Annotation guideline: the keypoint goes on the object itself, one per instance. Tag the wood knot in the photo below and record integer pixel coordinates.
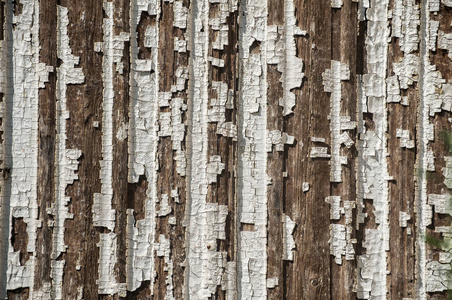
(315, 281)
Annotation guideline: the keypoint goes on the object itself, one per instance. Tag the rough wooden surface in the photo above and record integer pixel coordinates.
(217, 182)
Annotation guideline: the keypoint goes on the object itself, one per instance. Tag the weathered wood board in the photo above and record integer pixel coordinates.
(225, 149)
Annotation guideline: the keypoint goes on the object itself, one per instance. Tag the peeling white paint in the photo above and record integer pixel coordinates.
(289, 242)
(340, 239)
(447, 172)
(206, 221)
(214, 168)
(107, 259)
(319, 152)
(143, 141)
(279, 139)
(229, 280)
(165, 208)
(67, 162)
(332, 84)
(336, 3)
(445, 42)
(372, 169)
(405, 141)
(281, 50)
(20, 81)
(404, 217)
(405, 23)
(180, 14)
(337, 242)
(252, 154)
(163, 249)
(272, 282)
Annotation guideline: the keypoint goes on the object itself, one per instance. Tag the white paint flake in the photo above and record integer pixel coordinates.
(340, 240)
(336, 3)
(289, 242)
(445, 42)
(405, 24)
(433, 27)
(272, 282)
(275, 137)
(281, 50)
(229, 280)
(404, 217)
(180, 14)
(165, 208)
(332, 84)
(405, 141)
(180, 45)
(223, 101)
(214, 168)
(407, 70)
(319, 152)
(447, 172)
(337, 242)
(434, 5)
(393, 90)
(163, 249)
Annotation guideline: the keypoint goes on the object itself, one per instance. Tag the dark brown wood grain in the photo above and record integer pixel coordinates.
(331, 34)
(308, 276)
(84, 103)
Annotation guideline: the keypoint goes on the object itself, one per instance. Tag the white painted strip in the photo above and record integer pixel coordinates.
(143, 142)
(107, 283)
(206, 220)
(293, 65)
(252, 154)
(103, 214)
(372, 146)
(423, 217)
(67, 163)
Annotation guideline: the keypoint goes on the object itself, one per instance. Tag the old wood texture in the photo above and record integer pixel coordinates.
(225, 149)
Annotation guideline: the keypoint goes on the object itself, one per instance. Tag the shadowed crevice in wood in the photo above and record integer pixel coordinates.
(136, 197)
(141, 293)
(19, 294)
(19, 239)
